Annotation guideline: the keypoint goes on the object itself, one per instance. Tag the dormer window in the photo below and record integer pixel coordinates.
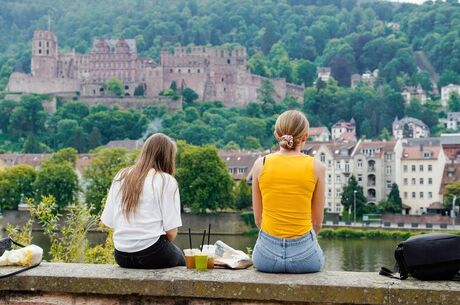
(427, 154)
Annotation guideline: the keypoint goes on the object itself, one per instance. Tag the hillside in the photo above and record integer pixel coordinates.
(282, 37)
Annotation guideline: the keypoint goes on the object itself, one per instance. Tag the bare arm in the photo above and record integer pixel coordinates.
(256, 195)
(317, 202)
(171, 234)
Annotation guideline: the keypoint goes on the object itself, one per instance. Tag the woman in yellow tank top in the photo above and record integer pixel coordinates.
(288, 202)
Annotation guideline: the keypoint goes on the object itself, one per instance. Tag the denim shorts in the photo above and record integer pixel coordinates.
(286, 255)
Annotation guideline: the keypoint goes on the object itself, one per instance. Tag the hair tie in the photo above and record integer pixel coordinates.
(289, 139)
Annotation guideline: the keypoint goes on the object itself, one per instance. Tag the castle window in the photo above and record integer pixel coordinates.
(39, 43)
(229, 61)
(47, 52)
(39, 51)
(225, 89)
(47, 44)
(189, 71)
(126, 87)
(222, 79)
(198, 70)
(179, 71)
(171, 70)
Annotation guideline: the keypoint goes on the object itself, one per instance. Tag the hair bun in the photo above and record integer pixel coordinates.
(289, 141)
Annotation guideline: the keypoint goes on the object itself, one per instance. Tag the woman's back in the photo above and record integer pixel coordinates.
(287, 183)
(158, 210)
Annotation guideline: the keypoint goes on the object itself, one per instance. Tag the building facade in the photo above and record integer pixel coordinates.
(375, 168)
(453, 120)
(446, 91)
(421, 167)
(319, 134)
(344, 130)
(409, 128)
(215, 74)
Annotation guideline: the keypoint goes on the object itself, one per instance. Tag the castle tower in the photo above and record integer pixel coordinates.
(44, 55)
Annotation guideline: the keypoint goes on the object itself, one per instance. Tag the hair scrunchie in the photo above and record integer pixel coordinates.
(289, 139)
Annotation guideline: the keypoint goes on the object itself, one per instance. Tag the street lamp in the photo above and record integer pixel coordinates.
(452, 214)
(354, 206)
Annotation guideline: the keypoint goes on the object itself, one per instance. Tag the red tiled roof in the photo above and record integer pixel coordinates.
(416, 153)
(317, 131)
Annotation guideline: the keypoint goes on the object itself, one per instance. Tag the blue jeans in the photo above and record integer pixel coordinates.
(286, 255)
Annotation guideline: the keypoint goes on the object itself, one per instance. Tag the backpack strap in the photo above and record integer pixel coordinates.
(263, 161)
(18, 271)
(2, 276)
(387, 272)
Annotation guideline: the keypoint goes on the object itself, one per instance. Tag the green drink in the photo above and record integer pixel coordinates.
(201, 261)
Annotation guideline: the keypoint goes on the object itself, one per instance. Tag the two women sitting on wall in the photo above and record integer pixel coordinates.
(143, 205)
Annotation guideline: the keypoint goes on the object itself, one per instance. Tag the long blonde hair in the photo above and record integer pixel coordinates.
(159, 153)
(290, 129)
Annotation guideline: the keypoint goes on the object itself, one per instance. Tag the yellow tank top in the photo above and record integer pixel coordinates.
(287, 184)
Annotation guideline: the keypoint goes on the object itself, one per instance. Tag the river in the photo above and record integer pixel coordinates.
(341, 255)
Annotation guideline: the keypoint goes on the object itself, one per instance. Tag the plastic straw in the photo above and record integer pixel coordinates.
(209, 233)
(190, 237)
(202, 241)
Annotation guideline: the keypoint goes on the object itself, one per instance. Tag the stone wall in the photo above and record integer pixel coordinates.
(56, 284)
(133, 102)
(26, 83)
(229, 223)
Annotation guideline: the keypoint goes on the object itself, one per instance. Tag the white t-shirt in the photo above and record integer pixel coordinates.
(158, 211)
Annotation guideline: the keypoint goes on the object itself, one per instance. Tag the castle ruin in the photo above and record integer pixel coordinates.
(215, 74)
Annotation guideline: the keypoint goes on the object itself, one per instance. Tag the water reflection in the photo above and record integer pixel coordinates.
(341, 255)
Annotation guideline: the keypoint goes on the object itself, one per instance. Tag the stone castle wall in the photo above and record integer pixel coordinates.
(215, 74)
(20, 82)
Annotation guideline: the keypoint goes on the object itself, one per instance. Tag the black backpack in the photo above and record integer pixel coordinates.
(434, 256)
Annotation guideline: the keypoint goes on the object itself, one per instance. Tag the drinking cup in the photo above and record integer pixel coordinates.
(201, 261)
(189, 258)
(210, 250)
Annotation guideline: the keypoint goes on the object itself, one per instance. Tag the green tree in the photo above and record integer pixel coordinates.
(6, 109)
(98, 175)
(64, 155)
(454, 102)
(59, 180)
(189, 95)
(16, 182)
(424, 79)
(266, 91)
(243, 195)
(258, 64)
(452, 189)
(393, 203)
(115, 86)
(304, 72)
(205, 183)
(348, 195)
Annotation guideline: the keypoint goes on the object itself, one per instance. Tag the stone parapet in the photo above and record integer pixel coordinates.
(53, 284)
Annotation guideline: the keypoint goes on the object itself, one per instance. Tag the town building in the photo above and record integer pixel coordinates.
(366, 78)
(410, 93)
(446, 91)
(337, 158)
(451, 145)
(450, 175)
(453, 120)
(324, 74)
(240, 163)
(409, 127)
(375, 167)
(344, 131)
(126, 144)
(319, 134)
(419, 172)
(214, 73)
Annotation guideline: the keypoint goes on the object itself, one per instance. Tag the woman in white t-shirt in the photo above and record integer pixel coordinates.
(143, 208)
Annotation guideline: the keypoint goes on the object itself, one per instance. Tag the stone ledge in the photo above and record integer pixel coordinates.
(220, 286)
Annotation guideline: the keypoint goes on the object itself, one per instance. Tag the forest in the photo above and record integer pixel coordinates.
(286, 38)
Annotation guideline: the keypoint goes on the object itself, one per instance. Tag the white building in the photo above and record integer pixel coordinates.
(336, 156)
(446, 91)
(409, 93)
(453, 120)
(319, 134)
(324, 73)
(419, 173)
(366, 78)
(343, 130)
(409, 128)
